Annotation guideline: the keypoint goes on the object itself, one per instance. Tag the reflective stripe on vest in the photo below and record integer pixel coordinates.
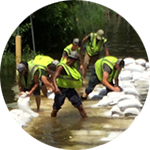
(71, 80)
(99, 67)
(93, 48)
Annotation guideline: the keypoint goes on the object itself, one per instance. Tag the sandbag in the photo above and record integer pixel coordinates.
(125, 84)
(132, 91)
(129, 60)
(125, 75)
(116, 110)
(50, 95)
(140, 61)
(24, 105)
(129, 103)
(131, 111)
(20, 117)
(134, 67)
(104, 102)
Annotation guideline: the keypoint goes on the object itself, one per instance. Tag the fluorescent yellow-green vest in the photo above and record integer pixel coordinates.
(99, 67)
(93, 48)
(42, 61)
(68, 50)
(71, 80)
(31, 71)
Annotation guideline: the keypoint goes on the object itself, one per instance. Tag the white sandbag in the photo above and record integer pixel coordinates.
(125, 75)
(125, 84)
(50, 95)
(126, 97)
(25, 117)
(146, 75)
(136, 75)
(131, 111)
(113, 94)
(17, 115)
(147, 65)
(24, 105)
(132, 91)
(129, 103)
(140, 61)
(116, 110)
(122, 97)
(104, 102)
(134, 67)
(142, 83)
(129, 60)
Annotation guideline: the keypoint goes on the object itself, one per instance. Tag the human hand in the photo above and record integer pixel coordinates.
(57, 91)
(117, 89)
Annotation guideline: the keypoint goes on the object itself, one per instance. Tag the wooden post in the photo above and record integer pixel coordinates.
(18, 51)
(18, 48)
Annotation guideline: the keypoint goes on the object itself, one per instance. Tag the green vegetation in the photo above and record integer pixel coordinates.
(54, 27)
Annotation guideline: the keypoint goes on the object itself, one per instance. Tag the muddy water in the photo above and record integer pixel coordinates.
(69, 131)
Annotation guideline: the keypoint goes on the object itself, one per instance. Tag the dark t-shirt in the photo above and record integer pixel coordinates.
(107, 69)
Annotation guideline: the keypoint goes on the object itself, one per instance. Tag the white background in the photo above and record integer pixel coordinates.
(13, 12)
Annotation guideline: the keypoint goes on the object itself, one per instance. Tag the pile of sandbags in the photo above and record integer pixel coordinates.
(134, 79)
(23, 114)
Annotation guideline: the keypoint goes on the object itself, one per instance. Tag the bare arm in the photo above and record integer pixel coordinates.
(107, 84)
(56, 74)
(106, 51)
(47, 83)
(36, 83)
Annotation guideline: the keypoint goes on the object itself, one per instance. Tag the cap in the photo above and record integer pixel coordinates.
(55, 62)
(99, 34)
(76, 41)
(121, 63)
(74, 55)
(20, 67)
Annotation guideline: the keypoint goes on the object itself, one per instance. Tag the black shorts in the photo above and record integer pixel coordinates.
(71, 94)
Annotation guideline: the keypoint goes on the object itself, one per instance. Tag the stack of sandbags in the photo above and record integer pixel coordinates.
(134, 80)
(24, 113)
(140, 70)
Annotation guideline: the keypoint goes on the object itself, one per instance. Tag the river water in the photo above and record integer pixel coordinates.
(68, 130)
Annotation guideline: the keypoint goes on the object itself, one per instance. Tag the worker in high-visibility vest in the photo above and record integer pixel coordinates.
(47, 65)
(94, 43)
(106, 71)
(74, 46)
(28, 80)
(65, 80)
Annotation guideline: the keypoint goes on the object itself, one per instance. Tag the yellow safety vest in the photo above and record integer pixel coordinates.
(71, 80)
(68, 50)
(31, 71)
(42, 61)
(93, 48)
(99, 67)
